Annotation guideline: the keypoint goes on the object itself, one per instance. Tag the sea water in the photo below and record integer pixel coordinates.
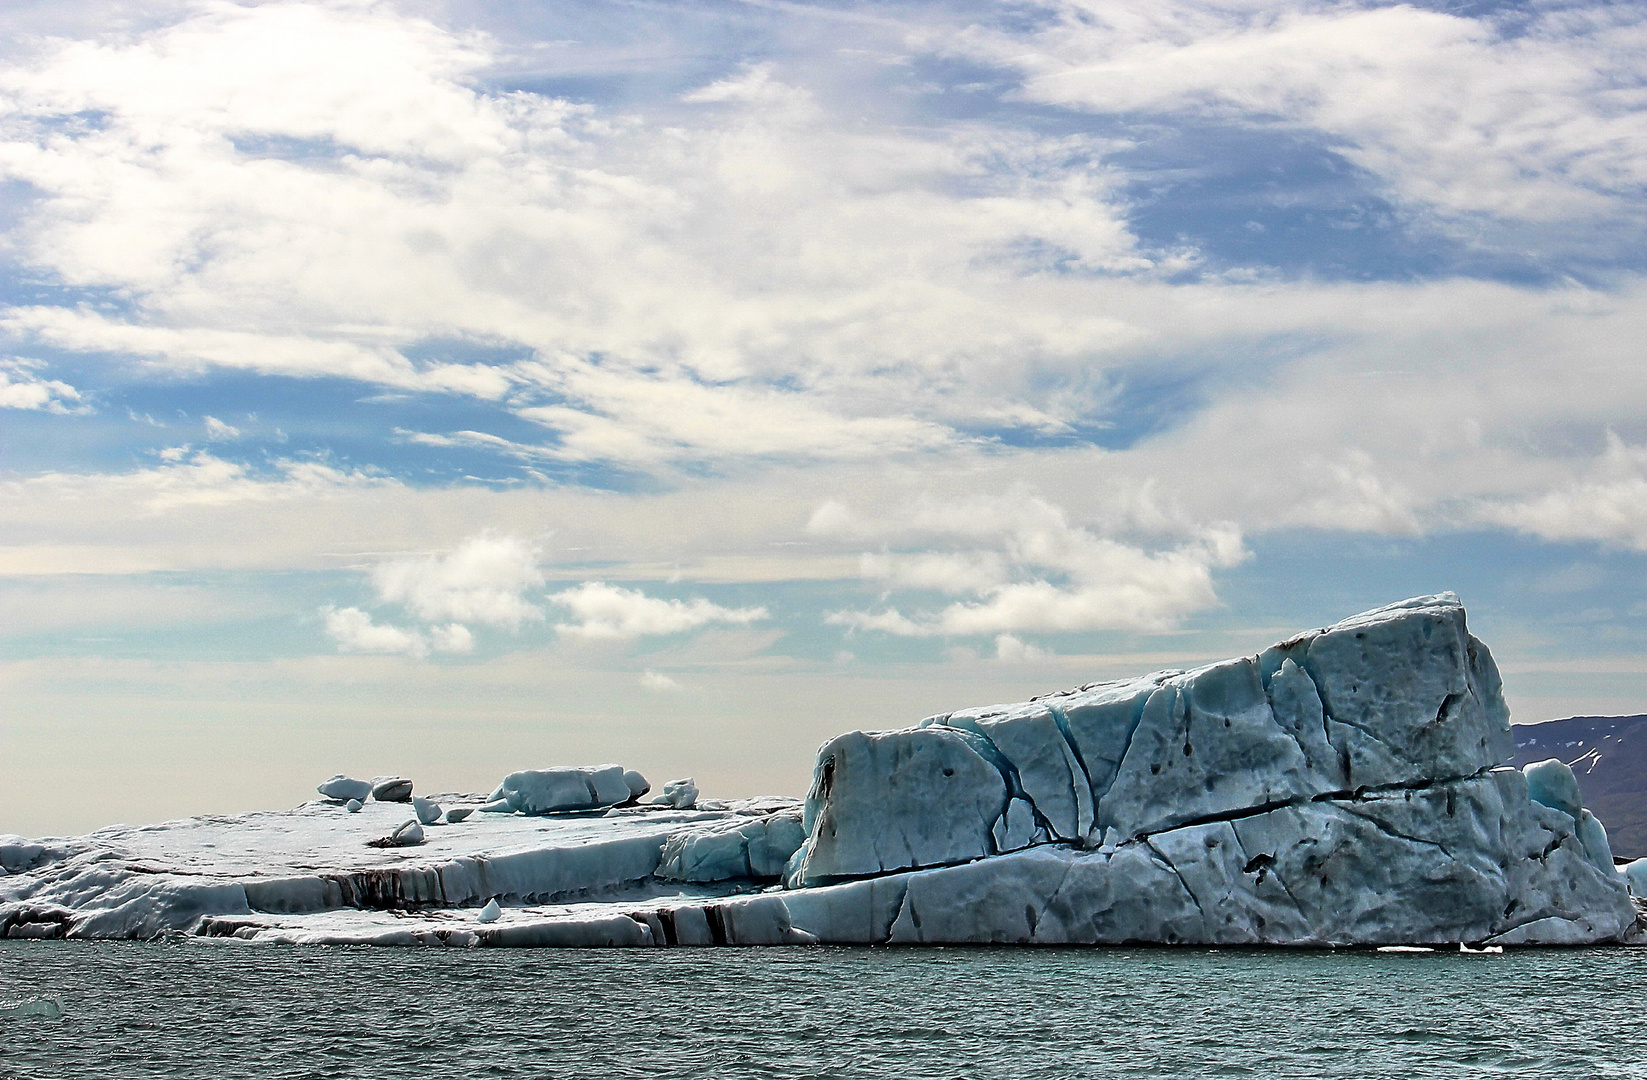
(187, 1009)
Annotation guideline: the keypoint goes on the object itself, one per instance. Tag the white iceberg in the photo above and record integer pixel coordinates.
(1343, 787)
(681, 794)
(427, 811)
(560, 789)
(346, 788)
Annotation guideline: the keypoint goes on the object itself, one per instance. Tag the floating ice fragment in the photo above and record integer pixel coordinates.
(427, 812)
(638, 785)
(458, 813)
(491, 912)
(47, 1007)
(353, 806)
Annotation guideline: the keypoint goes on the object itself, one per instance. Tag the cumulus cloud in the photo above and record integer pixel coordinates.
(354, 631)
(1608, 503)
(21, 388)
(218, 431)
(609, 612)
(484, 580)
(1038, 572)
(1009, 649)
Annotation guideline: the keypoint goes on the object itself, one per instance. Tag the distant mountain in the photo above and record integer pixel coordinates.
(1609, 754)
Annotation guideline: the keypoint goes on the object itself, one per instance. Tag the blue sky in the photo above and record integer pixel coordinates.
(449, 388)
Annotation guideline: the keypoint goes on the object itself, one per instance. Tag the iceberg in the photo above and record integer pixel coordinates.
(1343, 788)
(427, 811)
(346, 788)
(391, 789)
(563, 788)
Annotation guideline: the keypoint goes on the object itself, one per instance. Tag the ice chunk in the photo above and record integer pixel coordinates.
(392, 789)
(681, 794)
(345, 788)
(491, 912)
(1016, 828)
(547, 791)
(1339, 788)
(410, 834)
(894, 800)
(353, 806)
(731, 851)
(427, 812)
(1552, 783)
(1043, 762)
(637, 784)
(458, 813)
(1593, 835)
(47, 1008)
(1635, 876)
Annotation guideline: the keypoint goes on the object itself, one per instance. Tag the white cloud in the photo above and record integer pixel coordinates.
(1608, 504)
(188, 480)
(483, 581)
(1040, 572)
(654, 680)
(217, 430)
(609, 612)
(354, 631)
(1459, 113)
(754, 276)
(1009, 649)
(20, 388)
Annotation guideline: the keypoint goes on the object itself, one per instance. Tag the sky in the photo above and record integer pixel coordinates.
(448, 388)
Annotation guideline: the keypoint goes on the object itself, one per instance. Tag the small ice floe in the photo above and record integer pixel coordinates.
(1485, 950)
(391, 789)
(48, 1007)
(353, 806)
(345, 788)
(1405, 948)
(458, 813)
(427, 812)
(491, 912)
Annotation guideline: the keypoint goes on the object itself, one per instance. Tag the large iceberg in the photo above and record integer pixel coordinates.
(1344, 787)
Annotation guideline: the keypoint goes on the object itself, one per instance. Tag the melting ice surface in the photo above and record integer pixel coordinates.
(1343, 787)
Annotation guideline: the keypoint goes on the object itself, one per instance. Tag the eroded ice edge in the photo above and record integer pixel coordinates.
(1343, 787)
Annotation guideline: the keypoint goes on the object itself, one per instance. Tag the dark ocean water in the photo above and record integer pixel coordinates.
(194, 1010)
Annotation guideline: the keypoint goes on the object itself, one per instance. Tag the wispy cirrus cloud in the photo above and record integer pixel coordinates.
(1525, 115)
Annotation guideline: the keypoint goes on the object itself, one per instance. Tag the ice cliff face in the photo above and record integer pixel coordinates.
(1343, 787)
